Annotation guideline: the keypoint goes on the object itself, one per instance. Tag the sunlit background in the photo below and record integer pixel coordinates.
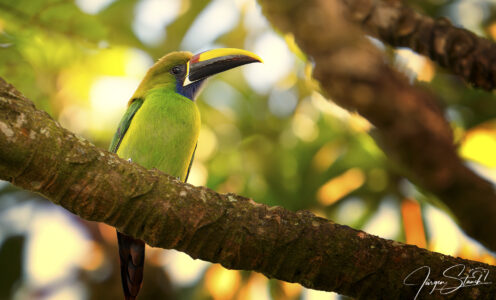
(267, 133)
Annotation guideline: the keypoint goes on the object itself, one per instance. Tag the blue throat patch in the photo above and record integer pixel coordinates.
(190, 91)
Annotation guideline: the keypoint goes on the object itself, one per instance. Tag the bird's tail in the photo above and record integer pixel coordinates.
(132, 258)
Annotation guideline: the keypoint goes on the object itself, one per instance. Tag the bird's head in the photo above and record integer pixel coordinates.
(186, 72)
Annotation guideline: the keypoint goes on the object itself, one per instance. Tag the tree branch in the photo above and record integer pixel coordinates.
(471, 57)
(410, 127)
(39, 155)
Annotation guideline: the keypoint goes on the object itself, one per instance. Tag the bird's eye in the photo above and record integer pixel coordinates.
(176, 70)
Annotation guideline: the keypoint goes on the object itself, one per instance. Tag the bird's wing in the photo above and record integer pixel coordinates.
(124, 124)
(190, 163)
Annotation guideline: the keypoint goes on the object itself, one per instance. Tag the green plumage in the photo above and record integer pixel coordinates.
(163, 133)
(160, 127)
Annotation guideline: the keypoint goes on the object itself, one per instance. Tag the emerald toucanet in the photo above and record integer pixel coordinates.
(160, 130)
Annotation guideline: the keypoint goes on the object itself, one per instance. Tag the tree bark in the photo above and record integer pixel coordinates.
(37, 154)
(409, 126)
(463, 53)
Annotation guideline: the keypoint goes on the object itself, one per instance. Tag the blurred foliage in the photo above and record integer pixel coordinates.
(280, 142)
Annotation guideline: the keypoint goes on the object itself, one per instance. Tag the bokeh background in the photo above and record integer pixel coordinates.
(267, 133)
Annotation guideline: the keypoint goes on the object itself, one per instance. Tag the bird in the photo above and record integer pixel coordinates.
(160, 130)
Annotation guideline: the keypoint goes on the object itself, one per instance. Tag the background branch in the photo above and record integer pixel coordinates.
(462, 52)
(410, 128)
(39, 155)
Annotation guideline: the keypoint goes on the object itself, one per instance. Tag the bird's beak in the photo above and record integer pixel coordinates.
(208, 63)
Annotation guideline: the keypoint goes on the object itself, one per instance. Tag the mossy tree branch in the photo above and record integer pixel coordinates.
(39, 155)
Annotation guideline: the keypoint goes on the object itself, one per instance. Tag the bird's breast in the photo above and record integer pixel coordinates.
(163, 134)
